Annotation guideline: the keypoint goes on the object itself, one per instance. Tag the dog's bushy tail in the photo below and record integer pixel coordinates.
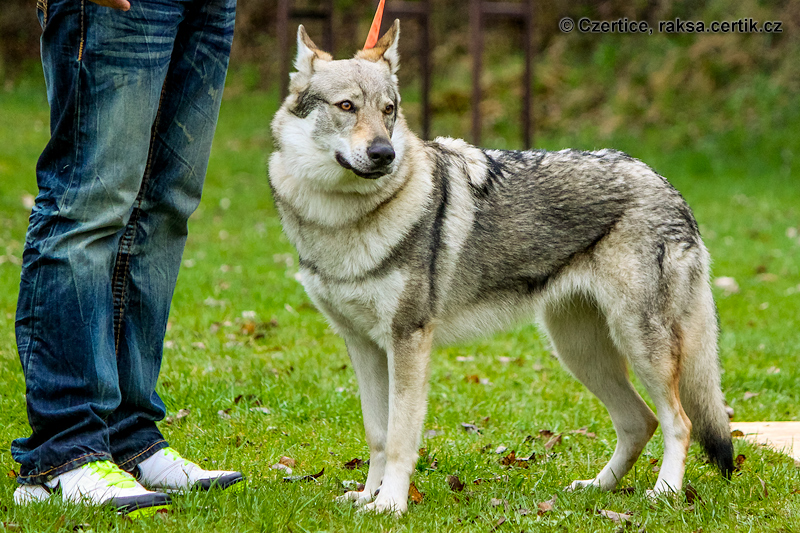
(700, 390)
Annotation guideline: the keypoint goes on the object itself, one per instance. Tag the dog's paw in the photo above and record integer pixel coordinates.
(579, 484)
(661, 490)
(385, 505)
(358, 497)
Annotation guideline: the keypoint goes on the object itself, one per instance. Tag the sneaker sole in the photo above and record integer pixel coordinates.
(146, 512)
(230, 483)
(139, 507)
(236, 487)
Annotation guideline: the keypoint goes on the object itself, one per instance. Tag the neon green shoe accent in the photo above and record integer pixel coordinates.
(147, 512)
(236, 488)
(171, 452)
(112, 474)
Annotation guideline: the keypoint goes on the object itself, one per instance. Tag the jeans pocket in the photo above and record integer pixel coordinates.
(41, 11)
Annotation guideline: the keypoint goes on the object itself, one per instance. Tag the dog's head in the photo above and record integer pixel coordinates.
(339, 124)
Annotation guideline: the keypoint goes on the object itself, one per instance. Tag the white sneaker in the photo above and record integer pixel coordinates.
(167, 471)
(97, 483)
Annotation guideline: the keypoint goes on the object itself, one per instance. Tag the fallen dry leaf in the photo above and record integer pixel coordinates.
(555, 439)
(479, 480)
(470, 428)
(183, 413)
(286, 469)
(692, 495)
(12, 474)
(512, 460)
(499, 522)
(426, 460)
(545, 434)
(496, 502)
(28, 201)
(614, 516)
(584, 431)
(288, 461)
(223, 414)
(624, 490)
(354, 463)
(308, 477)
(472, 378)
(456, 485)
(248, 328)
(763, 487)
(740, 459)
(546, 506)
(414, 495)
(727, 284)
(523, 512)
(748, 395)
(500, 449)
(737, 433)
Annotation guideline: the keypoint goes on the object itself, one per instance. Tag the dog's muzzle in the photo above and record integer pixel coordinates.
(381, 155)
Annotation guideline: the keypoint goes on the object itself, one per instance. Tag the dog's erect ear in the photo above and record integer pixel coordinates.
(385, 49)
(307, 53)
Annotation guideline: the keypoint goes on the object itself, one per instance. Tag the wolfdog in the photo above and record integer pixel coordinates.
(406, 244)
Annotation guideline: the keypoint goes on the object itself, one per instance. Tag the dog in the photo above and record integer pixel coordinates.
(406, 244)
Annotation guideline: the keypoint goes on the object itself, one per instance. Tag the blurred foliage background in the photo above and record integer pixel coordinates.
(734, 90)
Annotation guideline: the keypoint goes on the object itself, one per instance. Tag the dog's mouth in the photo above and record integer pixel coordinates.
(375, 174)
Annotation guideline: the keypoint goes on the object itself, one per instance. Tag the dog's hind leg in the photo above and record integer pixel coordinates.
(409, 362)
(581, 338)
(371, 368)
(654, 348)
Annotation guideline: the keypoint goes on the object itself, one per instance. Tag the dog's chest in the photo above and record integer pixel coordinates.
(367, 306)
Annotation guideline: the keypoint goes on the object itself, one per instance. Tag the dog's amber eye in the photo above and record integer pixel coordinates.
(346, 105)
(389, 109)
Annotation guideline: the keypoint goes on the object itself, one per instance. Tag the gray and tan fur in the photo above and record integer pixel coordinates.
(405, 245)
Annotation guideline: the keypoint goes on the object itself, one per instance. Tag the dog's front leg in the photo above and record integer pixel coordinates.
(370, 365)
(408, 391)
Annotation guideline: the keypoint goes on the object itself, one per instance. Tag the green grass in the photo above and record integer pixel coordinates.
(238, 265)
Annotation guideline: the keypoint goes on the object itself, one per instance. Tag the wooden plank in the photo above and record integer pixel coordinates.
(781, 436)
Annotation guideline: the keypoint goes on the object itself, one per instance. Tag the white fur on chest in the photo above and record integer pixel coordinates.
(367, 307)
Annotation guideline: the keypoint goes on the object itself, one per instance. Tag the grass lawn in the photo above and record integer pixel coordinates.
(262, 376)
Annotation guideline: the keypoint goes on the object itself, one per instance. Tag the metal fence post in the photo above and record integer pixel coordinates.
(479, 10)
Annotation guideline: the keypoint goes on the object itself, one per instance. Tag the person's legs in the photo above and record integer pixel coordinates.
(150, 251)
(104, 71)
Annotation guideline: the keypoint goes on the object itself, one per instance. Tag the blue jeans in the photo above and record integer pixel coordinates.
(134, 98)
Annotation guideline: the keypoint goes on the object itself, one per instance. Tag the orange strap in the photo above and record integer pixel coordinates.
(375, 29)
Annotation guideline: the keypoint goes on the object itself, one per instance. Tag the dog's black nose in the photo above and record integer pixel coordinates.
(381, 152)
